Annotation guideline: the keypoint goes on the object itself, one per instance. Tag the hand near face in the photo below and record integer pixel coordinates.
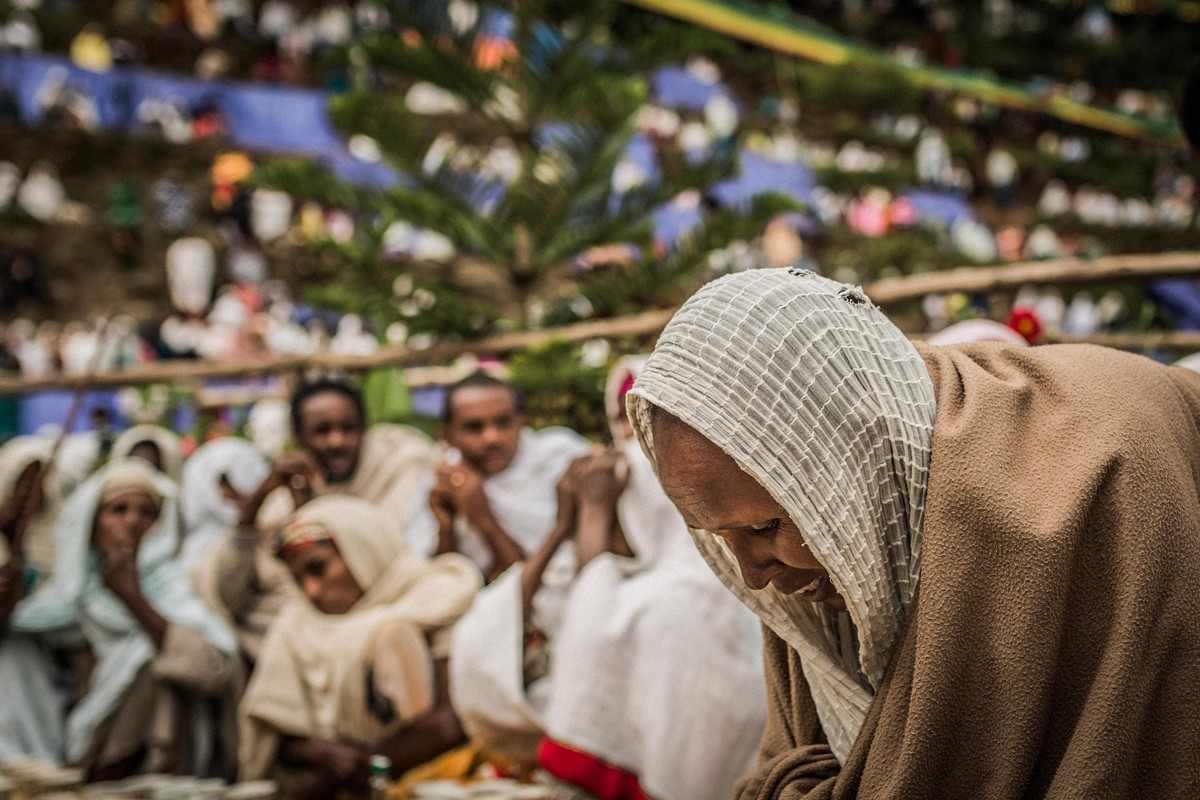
(460, 489)
(120, 525)
(441, 503)
(300, 474)
(118, 569)
(567, 491)
(601, 478)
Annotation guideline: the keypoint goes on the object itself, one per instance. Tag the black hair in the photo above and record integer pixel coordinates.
(1189, 107)
(479, 380)
(307, 390)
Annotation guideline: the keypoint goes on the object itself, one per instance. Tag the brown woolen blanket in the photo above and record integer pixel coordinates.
(1054, 648)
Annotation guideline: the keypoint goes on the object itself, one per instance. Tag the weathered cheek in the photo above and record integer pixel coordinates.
(750, 551)
(794, 552)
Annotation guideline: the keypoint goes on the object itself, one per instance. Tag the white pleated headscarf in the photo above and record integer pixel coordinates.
(817, 396)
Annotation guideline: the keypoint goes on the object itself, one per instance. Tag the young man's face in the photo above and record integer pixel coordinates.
(331, 428)
(485, 426)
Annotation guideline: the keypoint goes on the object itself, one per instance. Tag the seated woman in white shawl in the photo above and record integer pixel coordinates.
(157, 649)
(635, 697)
(358, 666)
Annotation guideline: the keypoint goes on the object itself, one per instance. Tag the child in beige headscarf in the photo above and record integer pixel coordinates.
(354, 667)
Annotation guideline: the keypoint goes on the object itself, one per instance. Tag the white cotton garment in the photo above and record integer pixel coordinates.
(817, 396)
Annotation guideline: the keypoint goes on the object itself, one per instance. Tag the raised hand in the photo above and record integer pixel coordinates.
(300, 473)
(601, 478)
(26, 498)
(118, 570)
(461, 488)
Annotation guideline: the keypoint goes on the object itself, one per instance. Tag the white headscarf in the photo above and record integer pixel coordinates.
(76, 596)
(170, 449)
(207, 513)
(818, 397)
(311, 674)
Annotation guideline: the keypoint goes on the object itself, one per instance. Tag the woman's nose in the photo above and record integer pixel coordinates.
(312, 589)
(758, 566)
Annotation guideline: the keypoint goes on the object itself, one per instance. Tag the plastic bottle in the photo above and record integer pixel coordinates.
(381, 773)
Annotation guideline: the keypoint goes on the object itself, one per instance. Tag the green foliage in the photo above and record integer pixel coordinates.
(897, 253)
(894, 177)
(859, 86)
(562, 111)
(559, 389)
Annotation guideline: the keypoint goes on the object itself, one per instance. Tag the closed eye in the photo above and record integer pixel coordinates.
(770, 527)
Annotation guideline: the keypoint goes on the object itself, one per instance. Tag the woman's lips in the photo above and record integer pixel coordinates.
(812, 585)
(816, 590)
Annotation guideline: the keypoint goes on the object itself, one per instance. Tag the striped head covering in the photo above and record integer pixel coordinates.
(818, 397)
(366, 539)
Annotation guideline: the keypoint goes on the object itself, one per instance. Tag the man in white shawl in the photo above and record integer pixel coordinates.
(492, 498)
(158, 649)
(384, 465)
(630, 697)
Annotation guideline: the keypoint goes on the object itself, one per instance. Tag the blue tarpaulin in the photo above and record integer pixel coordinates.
(274, 119)
(675, 87)
(945, 208)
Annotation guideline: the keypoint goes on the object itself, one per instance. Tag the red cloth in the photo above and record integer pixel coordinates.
(596, 777)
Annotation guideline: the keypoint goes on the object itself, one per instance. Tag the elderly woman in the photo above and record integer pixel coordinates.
(975, 565)
(157, 649)
(357, 666)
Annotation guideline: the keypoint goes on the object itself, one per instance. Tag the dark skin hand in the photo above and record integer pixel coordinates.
(27, 497)
(334, 766)
(429, 735)
(15, 514)
(330, 766)
(600, 480)
(458, 490)
(297, 471)
(11, 589)
(564, 527)
(118, 572)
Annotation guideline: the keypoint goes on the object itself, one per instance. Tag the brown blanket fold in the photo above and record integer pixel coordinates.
(1054, 649)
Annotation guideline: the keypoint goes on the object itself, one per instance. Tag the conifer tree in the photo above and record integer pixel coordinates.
(513, 181)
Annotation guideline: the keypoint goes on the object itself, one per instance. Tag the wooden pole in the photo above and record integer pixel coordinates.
(646, 324)
(981, 280)
(973, 280)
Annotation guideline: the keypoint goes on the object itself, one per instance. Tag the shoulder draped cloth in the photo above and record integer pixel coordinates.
(1054, 650)
(1052, 647)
